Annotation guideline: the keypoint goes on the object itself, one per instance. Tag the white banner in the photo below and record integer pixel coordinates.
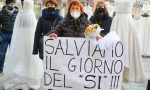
(81, 64)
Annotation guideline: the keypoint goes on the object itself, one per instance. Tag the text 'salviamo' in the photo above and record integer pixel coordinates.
(81, 64)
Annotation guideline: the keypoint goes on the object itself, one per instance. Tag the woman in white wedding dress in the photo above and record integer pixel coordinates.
(23, 70)
(125, 27)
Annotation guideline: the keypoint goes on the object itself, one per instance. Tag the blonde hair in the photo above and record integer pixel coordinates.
(97, 5)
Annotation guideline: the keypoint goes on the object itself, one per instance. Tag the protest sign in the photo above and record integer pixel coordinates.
(81, 64)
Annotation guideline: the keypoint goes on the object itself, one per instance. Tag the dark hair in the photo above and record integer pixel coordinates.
(52, 2)
(9, 1)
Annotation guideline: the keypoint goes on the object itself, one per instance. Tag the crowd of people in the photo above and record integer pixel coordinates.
(24, 35)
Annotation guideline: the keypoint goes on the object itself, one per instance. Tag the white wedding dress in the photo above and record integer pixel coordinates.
(145, 31)
(23, 70)
(125, 27)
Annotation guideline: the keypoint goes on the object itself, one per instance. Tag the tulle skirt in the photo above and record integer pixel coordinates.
(125, 27)
(23, 69)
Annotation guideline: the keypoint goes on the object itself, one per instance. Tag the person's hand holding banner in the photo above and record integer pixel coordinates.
(53, 35)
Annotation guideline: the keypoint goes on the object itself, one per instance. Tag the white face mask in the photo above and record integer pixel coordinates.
(75, 14)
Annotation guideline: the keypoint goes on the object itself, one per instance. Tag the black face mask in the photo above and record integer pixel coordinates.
(100, 13)
(10, 8)
(100, 10)
(50, 9)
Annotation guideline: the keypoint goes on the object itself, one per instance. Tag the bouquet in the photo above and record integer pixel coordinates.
(92, 31)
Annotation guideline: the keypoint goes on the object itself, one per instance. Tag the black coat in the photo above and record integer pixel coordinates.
(70, 27)
(46, 22)
(7, 20)
(104, 23)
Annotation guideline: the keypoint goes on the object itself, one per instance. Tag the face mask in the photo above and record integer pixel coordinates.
(10, 8)
(101, 14)
(75, 14)
(100, 10)
(51, 9)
